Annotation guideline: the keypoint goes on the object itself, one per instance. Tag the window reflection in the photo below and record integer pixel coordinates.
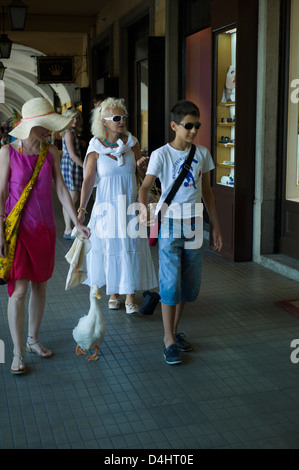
(143, 105)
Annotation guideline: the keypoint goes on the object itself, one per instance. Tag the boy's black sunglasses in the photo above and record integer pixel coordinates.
(189, 125)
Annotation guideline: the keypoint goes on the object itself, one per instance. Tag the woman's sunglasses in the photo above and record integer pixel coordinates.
(116, 118)
(189, 125)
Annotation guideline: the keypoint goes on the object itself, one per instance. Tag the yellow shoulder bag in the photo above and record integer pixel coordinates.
(11, 224)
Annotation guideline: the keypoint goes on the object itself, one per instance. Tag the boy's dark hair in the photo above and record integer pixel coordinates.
(182, 109)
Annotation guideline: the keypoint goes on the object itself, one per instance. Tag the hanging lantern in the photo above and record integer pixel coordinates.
(17, 13)
(5, 46)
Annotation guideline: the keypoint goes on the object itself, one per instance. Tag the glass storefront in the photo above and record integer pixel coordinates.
(289, 130)
(292, 173)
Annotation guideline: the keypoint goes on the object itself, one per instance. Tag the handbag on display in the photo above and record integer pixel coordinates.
(12, 221)
(154, 231)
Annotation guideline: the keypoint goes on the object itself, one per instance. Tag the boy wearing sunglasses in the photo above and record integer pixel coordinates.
(180, 265)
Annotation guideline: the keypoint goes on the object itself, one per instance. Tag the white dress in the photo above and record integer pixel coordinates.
(120, 261)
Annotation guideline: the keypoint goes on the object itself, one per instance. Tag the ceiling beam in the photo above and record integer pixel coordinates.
(56, 23)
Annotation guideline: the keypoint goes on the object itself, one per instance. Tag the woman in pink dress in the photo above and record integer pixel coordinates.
(35, 250)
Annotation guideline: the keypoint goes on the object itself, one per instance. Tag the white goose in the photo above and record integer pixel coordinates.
(91, 329)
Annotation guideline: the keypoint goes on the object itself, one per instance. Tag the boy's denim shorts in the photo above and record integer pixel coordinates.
(179, 267)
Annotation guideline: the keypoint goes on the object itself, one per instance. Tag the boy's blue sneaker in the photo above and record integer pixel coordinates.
(172, 355)
(181, 343)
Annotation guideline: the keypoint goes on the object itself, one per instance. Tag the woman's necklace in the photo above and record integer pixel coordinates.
(110, 143)
(30, 150)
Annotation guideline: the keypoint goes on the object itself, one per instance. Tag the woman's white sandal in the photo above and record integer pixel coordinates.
(30, 348)
(132, 308)
(113, 304)
(21, 367)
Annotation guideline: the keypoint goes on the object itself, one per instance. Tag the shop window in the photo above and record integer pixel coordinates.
(103, 60)
(234, 97)
(292, 174)
(225, 96)
(149, 94)
(137, 34)
(142, 104)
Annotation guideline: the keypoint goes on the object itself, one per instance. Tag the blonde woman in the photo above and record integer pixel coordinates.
(117, 260)
(71, 163)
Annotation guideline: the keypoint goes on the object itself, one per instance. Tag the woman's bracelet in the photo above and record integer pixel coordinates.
(82, 209)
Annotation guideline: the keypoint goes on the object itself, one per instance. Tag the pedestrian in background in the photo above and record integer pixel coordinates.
(72, 164)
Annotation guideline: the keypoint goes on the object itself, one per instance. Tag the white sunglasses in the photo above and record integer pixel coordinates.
(116, 118)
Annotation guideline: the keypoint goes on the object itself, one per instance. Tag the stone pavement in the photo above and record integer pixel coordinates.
(237, 389)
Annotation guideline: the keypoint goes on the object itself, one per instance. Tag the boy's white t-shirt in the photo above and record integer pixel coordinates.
(166, 163)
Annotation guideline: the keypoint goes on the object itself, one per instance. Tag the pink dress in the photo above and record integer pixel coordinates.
(35, 251)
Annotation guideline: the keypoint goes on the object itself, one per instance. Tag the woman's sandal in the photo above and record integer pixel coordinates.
(38, 348)
(113, 304)
(132, 308)
(21, 366)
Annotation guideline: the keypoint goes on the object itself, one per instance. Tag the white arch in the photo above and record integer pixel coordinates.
(20, 79)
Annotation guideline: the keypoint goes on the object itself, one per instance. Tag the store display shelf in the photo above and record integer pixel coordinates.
(225, 165)
(227, 103)
(228, 145)
(226, 185)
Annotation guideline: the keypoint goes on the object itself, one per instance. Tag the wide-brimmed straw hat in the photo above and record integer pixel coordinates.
(39, 112)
